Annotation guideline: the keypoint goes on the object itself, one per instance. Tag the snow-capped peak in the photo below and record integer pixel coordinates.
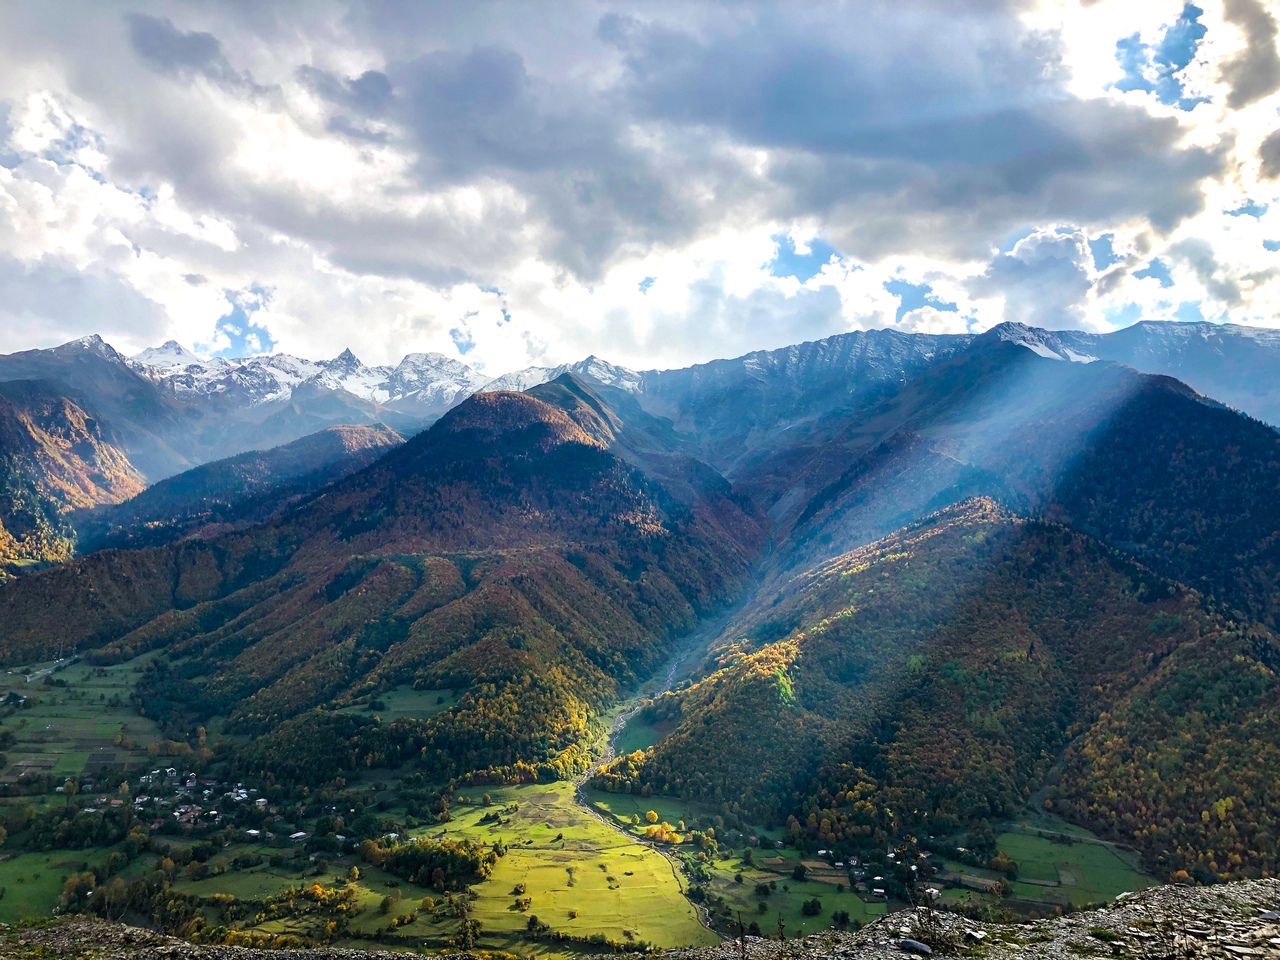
(1044, 343)
(169, 354)
(92, 344)
(593, 368)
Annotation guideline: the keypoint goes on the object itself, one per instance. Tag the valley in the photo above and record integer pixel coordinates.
(574, 859)
(774, 646)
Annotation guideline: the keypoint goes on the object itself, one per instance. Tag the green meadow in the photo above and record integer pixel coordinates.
(77, 719)
(768, 865)
(1085, 871)
(580, 878)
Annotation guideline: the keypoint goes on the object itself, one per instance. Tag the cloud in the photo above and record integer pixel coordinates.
(1044, 279)
(46, 303)
(1269, 154)
(659, 184)
(915, 136)
(1255, 72)
(183, 54)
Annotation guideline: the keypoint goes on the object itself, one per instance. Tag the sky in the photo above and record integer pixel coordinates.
(658, 184)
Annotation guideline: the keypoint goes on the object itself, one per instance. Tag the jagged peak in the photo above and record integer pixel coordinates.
(346, 359)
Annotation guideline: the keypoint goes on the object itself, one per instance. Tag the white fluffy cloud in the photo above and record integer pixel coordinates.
(658, 184)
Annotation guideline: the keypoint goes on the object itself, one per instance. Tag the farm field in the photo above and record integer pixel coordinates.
(1085, 871)
(785, 902)
(1059, 865)
(566, 861)
(73, 719)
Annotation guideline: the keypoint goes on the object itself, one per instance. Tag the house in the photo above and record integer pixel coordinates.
(300, 836)
(839, 864)
(253, 834)
(879, 892)
(261, 803)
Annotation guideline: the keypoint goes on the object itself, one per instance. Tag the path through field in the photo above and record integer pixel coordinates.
(683, 660)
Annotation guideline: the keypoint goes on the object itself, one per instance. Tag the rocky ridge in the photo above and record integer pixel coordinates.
(1236, 920)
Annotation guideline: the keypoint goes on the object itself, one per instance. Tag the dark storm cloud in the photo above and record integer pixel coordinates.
(1255, 72)
(170, 50)
(941, 125)
(967, 129)
(1269, 154)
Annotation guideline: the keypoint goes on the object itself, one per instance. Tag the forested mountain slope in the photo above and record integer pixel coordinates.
(54, 457)
(233, 492)
(157, 433)
(1141, 462)
(505, 552)
(935, 678)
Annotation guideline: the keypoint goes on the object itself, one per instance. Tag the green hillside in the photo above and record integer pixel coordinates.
(934, 679)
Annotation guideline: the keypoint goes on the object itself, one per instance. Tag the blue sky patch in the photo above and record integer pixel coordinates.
(1189, 312)
(246, 337)
(1154, 68)
(912, 296)
(1104, 254)
(802, 266)
(1249, 208)
(462, 340)
(1123, 316)
(1156, 268)
(1272, 246)
(648, 282)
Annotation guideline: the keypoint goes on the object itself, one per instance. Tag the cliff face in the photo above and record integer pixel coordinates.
(1178, 923)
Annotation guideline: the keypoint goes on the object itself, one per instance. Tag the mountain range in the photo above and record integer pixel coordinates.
(957, 574)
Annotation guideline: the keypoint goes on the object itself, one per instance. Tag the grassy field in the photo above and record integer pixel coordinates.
(32, 881)
(404, 701)
(1066, 865)
(637, 735)
(770, 865)
(67, 731)
(1084, 871)
(570, 861)
(566, 860)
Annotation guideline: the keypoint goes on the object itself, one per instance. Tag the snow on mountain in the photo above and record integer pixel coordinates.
(346, 372)
(423, 383)
(593, 368)
(1053, 345)
(430, 377)
(166, 356)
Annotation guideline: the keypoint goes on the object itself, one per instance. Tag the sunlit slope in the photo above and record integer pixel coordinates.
(1142, 462)
(939, 676)
(506, 552)
(55, 456)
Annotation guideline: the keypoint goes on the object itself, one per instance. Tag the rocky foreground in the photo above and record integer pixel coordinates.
(1231, 921)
